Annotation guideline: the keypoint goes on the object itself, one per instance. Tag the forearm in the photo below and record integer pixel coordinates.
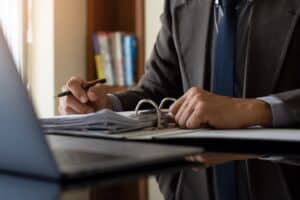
(252, 112)
(284, 108)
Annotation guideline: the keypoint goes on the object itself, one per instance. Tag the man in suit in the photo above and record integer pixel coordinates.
(231, 64)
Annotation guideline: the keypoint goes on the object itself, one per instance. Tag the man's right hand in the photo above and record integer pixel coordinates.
(83, 102)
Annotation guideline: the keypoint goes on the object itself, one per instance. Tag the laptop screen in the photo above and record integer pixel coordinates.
(23, 147)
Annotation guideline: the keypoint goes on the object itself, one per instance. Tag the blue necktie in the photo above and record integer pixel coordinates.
(223, 84)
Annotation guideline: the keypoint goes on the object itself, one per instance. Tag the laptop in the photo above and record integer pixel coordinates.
(25, 149)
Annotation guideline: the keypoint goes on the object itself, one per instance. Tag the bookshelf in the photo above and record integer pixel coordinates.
(110, 16)
(115, 15)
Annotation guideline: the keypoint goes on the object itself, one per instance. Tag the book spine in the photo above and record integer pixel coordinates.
(105, 49)
(98, 58)
(118, 58)
(130, 56)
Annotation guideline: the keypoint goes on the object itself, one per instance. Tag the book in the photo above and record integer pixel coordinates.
(117, 55)
(130, 56)
(98, 58)
(105, 51)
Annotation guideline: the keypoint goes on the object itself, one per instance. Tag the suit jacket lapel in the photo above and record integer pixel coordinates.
(270, 36)
(190, 35)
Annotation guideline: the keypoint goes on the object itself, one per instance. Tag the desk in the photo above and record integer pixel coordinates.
(20, 188)
(17, 187)
(14, 187)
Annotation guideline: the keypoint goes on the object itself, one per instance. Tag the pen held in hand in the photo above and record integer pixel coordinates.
(84, 86)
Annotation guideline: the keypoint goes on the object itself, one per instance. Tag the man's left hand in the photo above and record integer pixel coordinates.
(198, 108)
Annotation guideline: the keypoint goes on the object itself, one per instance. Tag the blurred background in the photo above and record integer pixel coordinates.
(52, 40)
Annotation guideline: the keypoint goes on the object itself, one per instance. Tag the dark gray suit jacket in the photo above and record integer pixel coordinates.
(179, 62)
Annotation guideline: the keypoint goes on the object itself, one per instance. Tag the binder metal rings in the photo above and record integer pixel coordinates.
(158, 109)
(163, 102)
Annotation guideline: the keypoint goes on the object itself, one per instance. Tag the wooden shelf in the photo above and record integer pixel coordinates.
(115, 15)
(115, 88)
(109, 16)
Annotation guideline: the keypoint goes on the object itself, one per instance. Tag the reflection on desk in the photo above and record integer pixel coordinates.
(17, 188)
(24, 188)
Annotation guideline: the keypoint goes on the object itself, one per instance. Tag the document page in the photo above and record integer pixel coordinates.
(104, 121)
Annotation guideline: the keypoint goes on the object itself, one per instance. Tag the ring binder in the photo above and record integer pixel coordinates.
(158, 109)
(163, 102)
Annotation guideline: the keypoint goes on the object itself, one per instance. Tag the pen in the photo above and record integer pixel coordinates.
(84, 86)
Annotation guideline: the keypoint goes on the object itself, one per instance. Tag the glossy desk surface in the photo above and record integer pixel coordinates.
(21, 188)
(14, 187)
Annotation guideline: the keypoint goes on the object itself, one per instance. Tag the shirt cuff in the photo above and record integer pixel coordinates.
(116, 103)
(281, 116)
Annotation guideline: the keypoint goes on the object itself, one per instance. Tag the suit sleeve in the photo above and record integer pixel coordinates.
(281, 115)
(162, 75)
(291, 100)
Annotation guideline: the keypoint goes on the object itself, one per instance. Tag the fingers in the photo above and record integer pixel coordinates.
(77, 106)
(177, 105)
(186, 111)
(82, 101)
(75, 86)
(70, 105)
(195, 158)
(182, 115)
(212, 159)
(96, 93)
(67, 111)
(195, 120)
(98, 97)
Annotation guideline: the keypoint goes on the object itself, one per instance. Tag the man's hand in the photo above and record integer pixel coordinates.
(83, 102)
(213, 159)
(198, 108)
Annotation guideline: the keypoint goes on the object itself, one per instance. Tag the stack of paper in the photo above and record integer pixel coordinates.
(104, 121)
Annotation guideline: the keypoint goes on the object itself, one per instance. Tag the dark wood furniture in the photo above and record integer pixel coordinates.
(115, 15)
